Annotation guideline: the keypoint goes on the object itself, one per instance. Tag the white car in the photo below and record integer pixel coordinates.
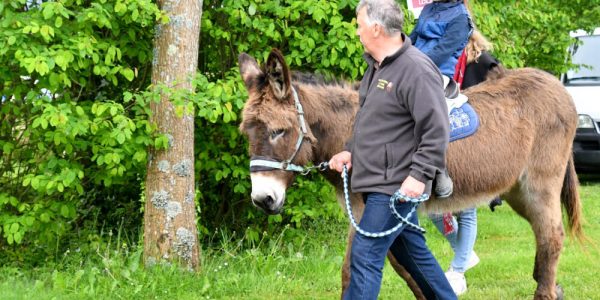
(584, 86)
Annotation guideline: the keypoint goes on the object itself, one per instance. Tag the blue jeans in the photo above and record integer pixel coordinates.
(408, 246)
(461, 240)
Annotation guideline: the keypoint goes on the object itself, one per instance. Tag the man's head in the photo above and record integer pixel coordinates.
(378, 18)
(385, 13)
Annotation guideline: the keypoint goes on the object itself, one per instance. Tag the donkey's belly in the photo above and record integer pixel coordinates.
(453, 204)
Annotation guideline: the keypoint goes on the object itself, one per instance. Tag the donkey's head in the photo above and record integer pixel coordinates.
(276, 131)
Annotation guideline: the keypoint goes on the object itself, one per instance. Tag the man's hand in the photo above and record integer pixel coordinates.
(338, 161)
(412, 187)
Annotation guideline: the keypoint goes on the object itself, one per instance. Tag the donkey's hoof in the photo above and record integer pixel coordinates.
(560, 293)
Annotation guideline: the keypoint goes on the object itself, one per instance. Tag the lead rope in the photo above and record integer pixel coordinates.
(397, 196)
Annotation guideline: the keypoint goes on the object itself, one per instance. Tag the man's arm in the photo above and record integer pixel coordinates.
(338, 161)
(430, 114)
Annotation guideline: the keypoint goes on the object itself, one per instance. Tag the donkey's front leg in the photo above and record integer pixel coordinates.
(358, 207)
(346, 266)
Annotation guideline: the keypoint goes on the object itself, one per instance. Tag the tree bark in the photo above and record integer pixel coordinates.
(170, 233)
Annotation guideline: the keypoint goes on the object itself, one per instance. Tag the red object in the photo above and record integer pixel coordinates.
(459, 69)
(448, 224)
(420, 3)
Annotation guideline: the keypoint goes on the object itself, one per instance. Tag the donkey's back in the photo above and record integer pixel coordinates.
(527, 124)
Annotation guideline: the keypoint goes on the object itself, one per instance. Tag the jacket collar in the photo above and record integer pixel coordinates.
(406, 43)
(440, 6)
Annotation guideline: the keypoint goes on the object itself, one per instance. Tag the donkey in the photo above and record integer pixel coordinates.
(521, 151)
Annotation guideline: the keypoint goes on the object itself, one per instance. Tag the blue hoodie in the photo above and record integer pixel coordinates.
(442, 32)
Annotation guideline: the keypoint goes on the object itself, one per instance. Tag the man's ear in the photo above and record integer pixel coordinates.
(249, 69)
(377, 30)
(278, 75)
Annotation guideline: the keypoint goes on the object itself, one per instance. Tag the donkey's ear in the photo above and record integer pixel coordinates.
(278, 75)
(249, 69)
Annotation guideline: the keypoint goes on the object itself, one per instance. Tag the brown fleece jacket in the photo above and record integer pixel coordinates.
(402, 125)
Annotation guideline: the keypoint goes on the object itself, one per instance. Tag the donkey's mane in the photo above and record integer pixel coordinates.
(318, 80)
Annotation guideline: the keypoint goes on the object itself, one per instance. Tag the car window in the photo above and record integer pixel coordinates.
(585, 55)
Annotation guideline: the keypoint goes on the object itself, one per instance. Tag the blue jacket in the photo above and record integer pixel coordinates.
(442, 32)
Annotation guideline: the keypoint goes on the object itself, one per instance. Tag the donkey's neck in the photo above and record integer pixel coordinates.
(329, 111)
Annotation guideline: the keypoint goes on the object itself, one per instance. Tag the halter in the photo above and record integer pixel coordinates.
(261, 163)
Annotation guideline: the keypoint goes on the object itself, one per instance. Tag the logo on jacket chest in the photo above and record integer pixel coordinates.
(384, 85)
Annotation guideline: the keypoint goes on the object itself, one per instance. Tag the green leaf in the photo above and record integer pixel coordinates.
(29, 221)
(47, 32)
(8, 147)
(35, 183)
(121, 138)
(252, 9)
(14, 228)
(42, 68)
(128, 73)
(120, 7)
(44, 217)
(140, 156)
(62, 61)
(69, 178)
(64, 211)
(48, 11)
(127, 96)
(18, 237)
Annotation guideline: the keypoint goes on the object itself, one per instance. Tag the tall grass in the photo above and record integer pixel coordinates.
(305, 264)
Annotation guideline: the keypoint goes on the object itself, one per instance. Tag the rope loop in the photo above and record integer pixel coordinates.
(396, 197)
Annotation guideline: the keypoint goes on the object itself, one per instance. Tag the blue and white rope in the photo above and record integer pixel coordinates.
(397, 196)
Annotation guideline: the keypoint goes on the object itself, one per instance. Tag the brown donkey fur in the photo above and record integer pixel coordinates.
(521, 151)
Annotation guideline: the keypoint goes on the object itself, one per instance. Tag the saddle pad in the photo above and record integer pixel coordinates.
(463, 122)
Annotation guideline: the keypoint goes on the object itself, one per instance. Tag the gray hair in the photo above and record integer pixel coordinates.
(386, 13)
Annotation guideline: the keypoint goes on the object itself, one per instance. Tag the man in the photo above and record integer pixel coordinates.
(399, 141)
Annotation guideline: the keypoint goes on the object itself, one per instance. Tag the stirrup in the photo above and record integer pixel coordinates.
(443, 185)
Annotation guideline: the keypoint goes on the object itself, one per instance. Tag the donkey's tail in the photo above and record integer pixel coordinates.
(569, 197)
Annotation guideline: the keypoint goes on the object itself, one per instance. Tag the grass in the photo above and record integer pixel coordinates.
(308, 266)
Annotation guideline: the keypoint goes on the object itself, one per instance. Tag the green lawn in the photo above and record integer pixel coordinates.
(309, 267)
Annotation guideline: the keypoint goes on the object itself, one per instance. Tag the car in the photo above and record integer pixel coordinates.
(583, 83)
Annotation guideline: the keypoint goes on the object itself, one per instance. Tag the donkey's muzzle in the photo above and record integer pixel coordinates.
(267, 205)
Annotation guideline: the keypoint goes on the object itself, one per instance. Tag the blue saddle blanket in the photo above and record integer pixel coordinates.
(463, 122)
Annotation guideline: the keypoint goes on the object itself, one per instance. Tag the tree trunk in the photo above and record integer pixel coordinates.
(170, 233)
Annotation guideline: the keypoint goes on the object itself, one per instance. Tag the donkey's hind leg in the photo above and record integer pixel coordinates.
(410, 282)
(538, 201)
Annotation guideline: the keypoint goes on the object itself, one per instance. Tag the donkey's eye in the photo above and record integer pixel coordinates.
(277, 133)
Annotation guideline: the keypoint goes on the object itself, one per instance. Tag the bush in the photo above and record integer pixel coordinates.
(72, 147)
(74, 97)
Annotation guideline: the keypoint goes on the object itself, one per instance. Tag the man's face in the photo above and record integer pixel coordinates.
(365, 32)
